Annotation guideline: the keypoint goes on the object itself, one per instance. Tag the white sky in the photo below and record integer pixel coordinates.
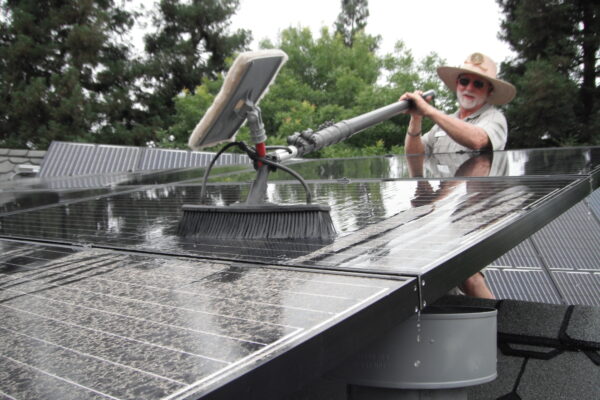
(452, 28)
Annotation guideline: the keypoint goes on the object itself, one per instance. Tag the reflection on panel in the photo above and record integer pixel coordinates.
(535, 162)
(95, 324)
(381, 225)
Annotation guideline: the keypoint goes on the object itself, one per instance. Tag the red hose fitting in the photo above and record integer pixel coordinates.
(261, 152)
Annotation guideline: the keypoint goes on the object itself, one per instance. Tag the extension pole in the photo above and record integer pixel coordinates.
(308, 141)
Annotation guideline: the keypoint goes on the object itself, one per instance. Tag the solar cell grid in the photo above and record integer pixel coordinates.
(523, 255)
(100, 324)
(572, 241)
(524, 285)
(593, 202)
(579, 287)
(380, 224)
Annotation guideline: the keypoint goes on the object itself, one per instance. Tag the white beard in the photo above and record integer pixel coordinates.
(468, 103)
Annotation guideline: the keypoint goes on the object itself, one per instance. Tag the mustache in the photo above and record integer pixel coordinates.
(469, 93)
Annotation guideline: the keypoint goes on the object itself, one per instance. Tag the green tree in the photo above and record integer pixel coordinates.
(341, 82)
(64, 72)
(191, 42)
(555, 71)
(190, 106)
(352, 19)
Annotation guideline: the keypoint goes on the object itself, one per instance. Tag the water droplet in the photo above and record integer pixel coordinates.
(432, 341)
(419, 327)
(417, 364)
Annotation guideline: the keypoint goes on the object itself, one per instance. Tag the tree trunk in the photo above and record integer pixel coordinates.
(590, 44)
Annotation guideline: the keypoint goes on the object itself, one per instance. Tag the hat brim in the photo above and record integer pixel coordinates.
(502, 93)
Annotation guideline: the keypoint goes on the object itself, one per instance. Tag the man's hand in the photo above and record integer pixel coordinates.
(421, 108)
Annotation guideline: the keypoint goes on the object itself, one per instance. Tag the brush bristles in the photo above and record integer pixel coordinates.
(251, 222)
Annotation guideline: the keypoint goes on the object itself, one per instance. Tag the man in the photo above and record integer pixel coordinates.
(477, 125)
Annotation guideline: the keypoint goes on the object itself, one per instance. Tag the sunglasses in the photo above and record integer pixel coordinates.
(477, 83)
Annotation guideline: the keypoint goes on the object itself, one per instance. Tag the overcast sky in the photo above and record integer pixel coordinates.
(453, 29)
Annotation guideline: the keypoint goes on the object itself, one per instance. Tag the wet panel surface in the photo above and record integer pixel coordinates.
(380, 225)
(515, 163)
(100, 324)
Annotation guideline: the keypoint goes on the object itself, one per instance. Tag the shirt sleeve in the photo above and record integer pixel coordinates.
(428, 139)
(496, 128)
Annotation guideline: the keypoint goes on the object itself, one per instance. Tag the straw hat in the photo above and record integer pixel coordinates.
(482, 65)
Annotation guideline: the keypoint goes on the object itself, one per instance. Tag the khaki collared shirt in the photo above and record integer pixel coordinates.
(488, 117)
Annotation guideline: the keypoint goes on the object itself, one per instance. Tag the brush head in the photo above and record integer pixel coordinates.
(257, 221)
(247, 80)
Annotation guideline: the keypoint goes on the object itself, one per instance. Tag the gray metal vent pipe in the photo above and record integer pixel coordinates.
(436, 355)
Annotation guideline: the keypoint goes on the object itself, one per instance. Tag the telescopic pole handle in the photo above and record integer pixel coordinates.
(307, 143)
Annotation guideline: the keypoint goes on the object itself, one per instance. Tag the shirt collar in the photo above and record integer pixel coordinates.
(476, 113)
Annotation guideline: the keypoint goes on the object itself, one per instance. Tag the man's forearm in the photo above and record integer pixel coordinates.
(413, 143)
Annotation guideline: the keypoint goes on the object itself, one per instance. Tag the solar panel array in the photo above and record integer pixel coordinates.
(564, 253)
(102, 299)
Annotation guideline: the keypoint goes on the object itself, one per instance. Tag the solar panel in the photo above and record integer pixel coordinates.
(587, 286)
(532, 285)
(531, 162)
(177, 317)
(579, 232)
(22, 195)
(594, 203)
(380, 224)
(523, 255)
(101, 324)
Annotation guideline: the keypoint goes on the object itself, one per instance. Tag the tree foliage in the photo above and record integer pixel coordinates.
(555, 71)
(352, 19)
(191, 42)
(64, 72)
(68, 74)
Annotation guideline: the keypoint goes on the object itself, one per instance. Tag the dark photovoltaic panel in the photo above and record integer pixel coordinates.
(571, 241)
(579, 287)
(593, 202)
(535, 162)
(25, 194)
(522, 255)
(533, 285)
(381, 225)
(92, 324)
